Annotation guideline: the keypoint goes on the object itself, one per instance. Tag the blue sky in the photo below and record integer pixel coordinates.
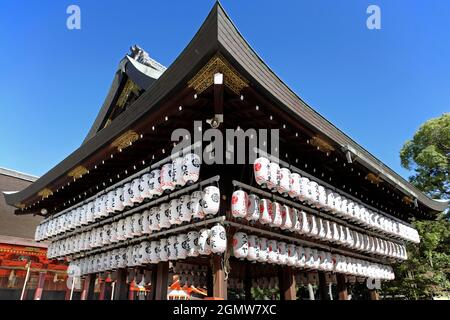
(377, 86)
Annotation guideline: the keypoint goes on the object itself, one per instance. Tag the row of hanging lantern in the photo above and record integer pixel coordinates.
(274, 214)
(269, 175)
(175, 174)
(271, 251)
(198, 205)
(172, 248)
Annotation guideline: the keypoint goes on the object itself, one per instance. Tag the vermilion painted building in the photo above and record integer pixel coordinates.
(20, 254)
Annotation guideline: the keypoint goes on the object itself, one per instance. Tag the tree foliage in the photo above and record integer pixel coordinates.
(426, 273)
(428, 155)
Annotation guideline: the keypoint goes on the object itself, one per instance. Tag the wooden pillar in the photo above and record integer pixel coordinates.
(40, 286)
(88, 287)
(121, 286)
(162, 278)
(374, 295)
(286, 277)
(152, 292)
(101, 296)
(342, 287)
(323, 286)
(210, 282)
(219, 282)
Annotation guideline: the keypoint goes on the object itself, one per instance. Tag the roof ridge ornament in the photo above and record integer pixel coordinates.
(141, 56)
(218, 64)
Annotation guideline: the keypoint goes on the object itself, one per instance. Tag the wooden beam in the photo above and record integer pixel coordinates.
(121, 286)
(88, 287)
(342, 287)
(40, 286)
(288, 289)
(162, 278)
(219, 282)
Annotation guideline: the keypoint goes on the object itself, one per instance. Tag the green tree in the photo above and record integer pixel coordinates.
(428, 155)
(426, 273)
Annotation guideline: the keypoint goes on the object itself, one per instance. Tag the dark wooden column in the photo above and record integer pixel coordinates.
(219, 282)
(342, 287)
(162, 278)
(288, 289)
(40, 286)
(102, 293)
(323, 286)
(88, 287)
(121, 286)
(374, 295)
(150, 276)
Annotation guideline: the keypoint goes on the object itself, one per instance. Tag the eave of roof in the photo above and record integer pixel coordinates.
(218, 33)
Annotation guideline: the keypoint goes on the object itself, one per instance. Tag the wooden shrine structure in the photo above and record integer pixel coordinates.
(219, 81)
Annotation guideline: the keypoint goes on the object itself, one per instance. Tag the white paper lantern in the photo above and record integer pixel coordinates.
(127, 195)
(253, 248)
(193, 243)
(294, 216)
(154, 218)
(322, 198)
(263, 250)
(164, 215)
(274, 175)
(204, 247)
(239, 202)
(182, 246)
(304, 223)
(210, 200)
(304, 189)
(185, 213)
(284, 181)
(314, 230)
(276, 216)
(177, 167)
(163, 249)
(240, 245)
(137, 224)
(265, 209)
(110, 201)
(106, 235)
(292, 255)
(282, 253)
(172, 247)
(261, 171)
(167, 178)
(322, 230)
(253, 208)
(191, 168)
(195, 205)
(128, 227)
(294, 185)
(218, 238)
(273, 251)
(174, 216)
(286, 222)
(155, 250)
(117, 202)
(146, 222)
